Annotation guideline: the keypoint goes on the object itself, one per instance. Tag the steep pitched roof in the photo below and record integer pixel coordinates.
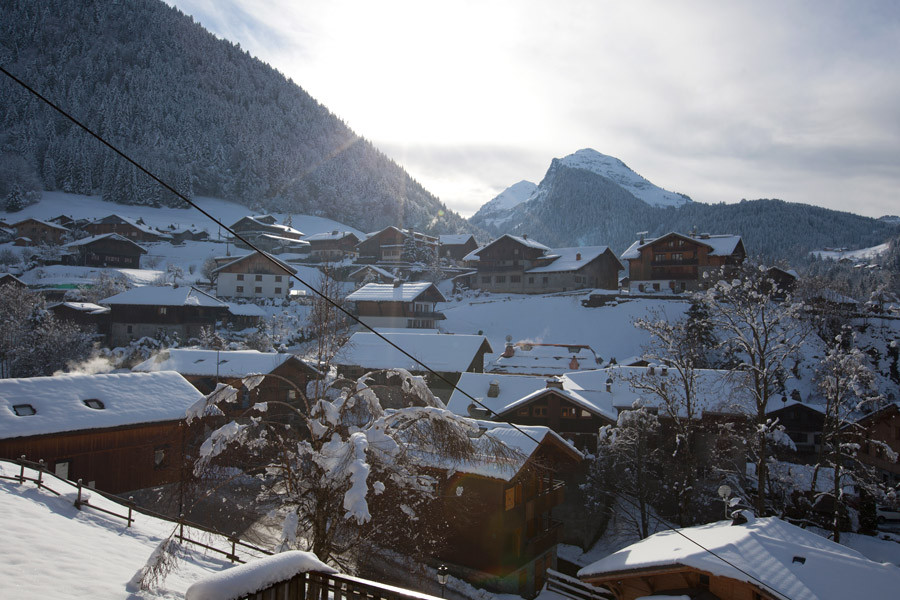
(719, 244)
(59, 402)
(112, 236)
(225, 363)
(573, 259)
(288, 268)
(47, 223)
(456, 239)
(473, 255)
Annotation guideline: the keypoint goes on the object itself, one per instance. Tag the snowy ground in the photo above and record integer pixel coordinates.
(862, 255)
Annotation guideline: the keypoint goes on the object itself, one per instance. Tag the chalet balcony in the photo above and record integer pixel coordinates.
(543, 540)
(427, 314)
(669, 274)
(492, 268)
(688, 262)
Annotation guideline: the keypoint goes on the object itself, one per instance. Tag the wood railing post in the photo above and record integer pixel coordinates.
(40, 478)
(22, 469)
(130, 510)
(233, 538)
(78, 500)
(181, 527)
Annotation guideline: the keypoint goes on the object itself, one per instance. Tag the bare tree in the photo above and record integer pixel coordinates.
(761, 324)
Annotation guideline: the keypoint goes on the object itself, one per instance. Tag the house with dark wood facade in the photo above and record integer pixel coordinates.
(503, 532)
(286, 381)
(105, 250)
(116, 432)
(10, 279)
(398, 305)
(882, 425)
(676, 262)
(87, 315)
(333, 245)
(371, 274)
(456, 246)
(387, 246)
(149, 310)
(268, 235)
(513, 264)
(36, 232)
(254, 276)
(132, 230)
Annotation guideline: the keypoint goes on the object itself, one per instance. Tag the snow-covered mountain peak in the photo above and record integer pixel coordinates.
(615, 170)
(512, 196)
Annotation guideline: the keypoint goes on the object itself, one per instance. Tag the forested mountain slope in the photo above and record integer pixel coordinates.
(196, 110)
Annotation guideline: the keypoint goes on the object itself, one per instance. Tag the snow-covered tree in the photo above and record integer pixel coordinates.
(353, 474)
(848, 389)
(761, 325)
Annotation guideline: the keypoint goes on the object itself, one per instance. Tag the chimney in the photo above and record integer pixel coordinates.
(510, 351)
(609, 383)
(397, 282)
(554, 383)
(651, 368)
(578, 256)
(493, 389)
(524, 236)
(704, 236)
(335, 232)
(573, 364)
(664, 370)
(642, 238)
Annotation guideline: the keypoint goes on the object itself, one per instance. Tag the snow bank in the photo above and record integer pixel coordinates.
(242, 580)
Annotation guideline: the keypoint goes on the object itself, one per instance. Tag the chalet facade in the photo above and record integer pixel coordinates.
(204, 369)
(39, 232)
(152, 310)
(676, 262)
(512, 264)
(448, 355)
(504, 534)
(371, 274)
(387, 246)
(884, 426)
(333, 245)
(105, 250)
(803, 422)
(398, 305)
(127, 228)
(10, 279)
(86, 315)
(117, 432)
(456, 247)
(254, 276)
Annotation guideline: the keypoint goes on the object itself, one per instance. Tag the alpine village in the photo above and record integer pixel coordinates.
(220, 379)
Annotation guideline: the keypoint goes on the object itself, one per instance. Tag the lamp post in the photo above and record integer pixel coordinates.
(442, 572)
(725, 494)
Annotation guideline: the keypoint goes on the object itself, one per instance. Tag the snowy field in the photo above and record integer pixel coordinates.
(863, 255)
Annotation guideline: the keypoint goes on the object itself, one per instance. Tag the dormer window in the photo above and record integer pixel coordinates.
(24, 410)
(94, 403)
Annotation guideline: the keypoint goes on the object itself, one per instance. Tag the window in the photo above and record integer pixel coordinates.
(278, 279)
(257, 290)
(240, 289)
(510, 498)
(159, 457)
(61, 468)
(540, 411)
(677, 256)
(515, 278)
(24, 410)
(259, 278)
(531, 280)
(567, 412)
(545, 280)
(129, 328)
(500, 278)
(655, 287)
(240, 277)
(522, 412)
(277, 290)
(659, 258)
(161, 310)
(486, 279)
(94, 403)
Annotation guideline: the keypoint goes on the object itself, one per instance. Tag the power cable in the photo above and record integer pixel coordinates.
(278, 265)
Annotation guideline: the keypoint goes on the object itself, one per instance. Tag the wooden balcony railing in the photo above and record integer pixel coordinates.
(333, 586)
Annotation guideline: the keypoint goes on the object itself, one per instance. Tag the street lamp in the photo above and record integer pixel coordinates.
(725, 494)
(442, 573)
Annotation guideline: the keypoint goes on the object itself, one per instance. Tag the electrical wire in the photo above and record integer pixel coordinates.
(277, 264)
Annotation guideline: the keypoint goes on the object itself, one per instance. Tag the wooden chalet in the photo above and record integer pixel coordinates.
(116, 432)
(503, 532)
(371, 274)
(105, 250)
(151, 310)
(450, 355)
(398, 305)
(677, 262)
(803, 422)
(513, 264)
(189, 235)
(39, 232)
(333, 245)
(207, 368)
(10, 279)
(87, 315)
(767, 559)
(884, 426)
(254, 276)
(133, 230)
(266, 234)
(387, 245)
(455, 247)
(63, 220)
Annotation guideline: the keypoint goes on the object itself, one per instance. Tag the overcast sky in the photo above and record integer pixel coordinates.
(718, 100)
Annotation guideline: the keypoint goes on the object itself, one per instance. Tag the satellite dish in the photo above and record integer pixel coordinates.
(724, 492)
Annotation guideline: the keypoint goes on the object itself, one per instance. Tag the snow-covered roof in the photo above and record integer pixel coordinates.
(518, 239)
(153, 295)
(246, 310)
(509, 389)
(47, 223)
(326, 236)
(85, 307)
(545, 359)
(265, 255)
(267, 226)
(10, 276)
(456, 239)
(388, 292)
(225, 363)
(245, 580)
(376, 269)
(601, 408)
(794, 562)
(112, 236)
(720, 244)
(571, 259)
(53, 550)
(131, 222)
(288, 240)
(441, 352)
(59, 405)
